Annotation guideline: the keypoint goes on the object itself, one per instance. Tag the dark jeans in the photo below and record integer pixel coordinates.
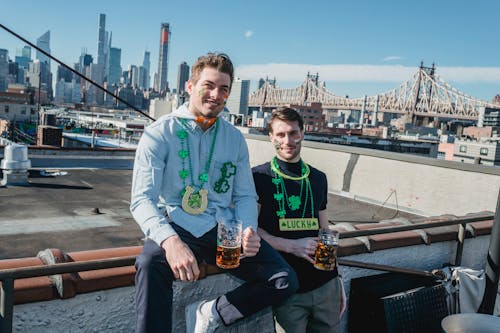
(269, 280)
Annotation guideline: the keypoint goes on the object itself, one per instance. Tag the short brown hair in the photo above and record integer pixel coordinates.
(219, 61)
(285, 114)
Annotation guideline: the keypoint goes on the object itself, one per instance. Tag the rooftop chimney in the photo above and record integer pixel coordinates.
(15, 165)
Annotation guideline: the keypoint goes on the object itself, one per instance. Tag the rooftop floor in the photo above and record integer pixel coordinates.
(58, 210)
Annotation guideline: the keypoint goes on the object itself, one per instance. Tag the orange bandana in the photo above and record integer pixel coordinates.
(204, 122)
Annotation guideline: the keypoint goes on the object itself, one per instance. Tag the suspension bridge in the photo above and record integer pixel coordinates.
(425, 94)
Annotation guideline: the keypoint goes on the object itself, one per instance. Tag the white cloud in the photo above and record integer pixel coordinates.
(392, 58)
(364, 73)
(248, 33)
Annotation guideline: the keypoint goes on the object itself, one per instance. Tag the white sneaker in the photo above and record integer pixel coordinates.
(197, 322)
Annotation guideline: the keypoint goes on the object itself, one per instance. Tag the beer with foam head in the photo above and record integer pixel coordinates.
(228, 243)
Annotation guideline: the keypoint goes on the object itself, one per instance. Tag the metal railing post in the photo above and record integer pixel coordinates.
(492, 268)
(6, 305)
(460, 244)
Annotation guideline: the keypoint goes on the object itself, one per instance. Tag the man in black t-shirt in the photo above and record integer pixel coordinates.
(292, 200)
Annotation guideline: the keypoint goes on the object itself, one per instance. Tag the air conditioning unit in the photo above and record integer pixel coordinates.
(15, 165)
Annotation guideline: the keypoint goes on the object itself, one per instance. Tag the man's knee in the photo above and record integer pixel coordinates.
(144, 262)
(154, 264)
(284, 283)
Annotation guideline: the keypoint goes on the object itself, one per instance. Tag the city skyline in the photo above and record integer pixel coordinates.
(363, 48)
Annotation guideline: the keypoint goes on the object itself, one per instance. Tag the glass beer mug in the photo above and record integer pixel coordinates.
(325, 256)
(228, 243)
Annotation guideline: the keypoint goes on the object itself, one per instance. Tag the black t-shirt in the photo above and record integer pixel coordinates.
(309, 277)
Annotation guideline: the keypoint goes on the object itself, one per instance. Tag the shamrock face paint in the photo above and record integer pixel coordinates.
(277, 145)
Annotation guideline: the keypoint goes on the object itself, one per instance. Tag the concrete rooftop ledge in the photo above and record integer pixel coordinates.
(66, 286)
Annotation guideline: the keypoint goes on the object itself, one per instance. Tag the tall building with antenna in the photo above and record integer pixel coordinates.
(101, 41)
(99, 70)
(162, 83)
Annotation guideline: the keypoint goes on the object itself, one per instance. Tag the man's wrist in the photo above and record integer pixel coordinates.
(164, 243)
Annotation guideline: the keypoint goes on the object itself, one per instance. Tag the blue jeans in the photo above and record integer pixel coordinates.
(269, 280)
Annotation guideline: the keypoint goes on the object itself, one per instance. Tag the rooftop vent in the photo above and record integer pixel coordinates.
(15, 165)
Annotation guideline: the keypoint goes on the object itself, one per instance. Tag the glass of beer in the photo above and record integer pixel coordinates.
(228, 243)
(325, 256)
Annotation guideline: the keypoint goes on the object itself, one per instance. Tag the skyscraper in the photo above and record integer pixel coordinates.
(85, 61)
(23, 56)
(99, 70)
(39, 75)
(134, 75)
(115, 68)
(237, 103)
(107, 51)
(163, 58)
(146, 63)
(43, 42)
(83, 67)
(101, 42)
(4, 69)
(43, 68)
(182, 77)
(64, 74)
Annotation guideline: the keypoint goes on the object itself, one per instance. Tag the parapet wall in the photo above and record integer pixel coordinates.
(420, 185)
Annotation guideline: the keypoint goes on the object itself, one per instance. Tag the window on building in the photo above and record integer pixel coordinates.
(463, 149)
(23, 111)
(441, 155)
(6, 109)
(483, 151)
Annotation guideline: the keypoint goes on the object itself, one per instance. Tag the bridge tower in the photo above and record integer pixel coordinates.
(375, 112)
(411, 117)
(363, 111)
(311, 78)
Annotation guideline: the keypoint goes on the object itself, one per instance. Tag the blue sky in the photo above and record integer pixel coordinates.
(357, 47)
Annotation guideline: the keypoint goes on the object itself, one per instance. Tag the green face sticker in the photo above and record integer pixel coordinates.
(298, 224)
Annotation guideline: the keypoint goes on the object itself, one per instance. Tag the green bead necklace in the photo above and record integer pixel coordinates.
(194, 196)
(293, 202)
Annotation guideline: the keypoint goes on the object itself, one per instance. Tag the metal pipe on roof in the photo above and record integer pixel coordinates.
(352, 263)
